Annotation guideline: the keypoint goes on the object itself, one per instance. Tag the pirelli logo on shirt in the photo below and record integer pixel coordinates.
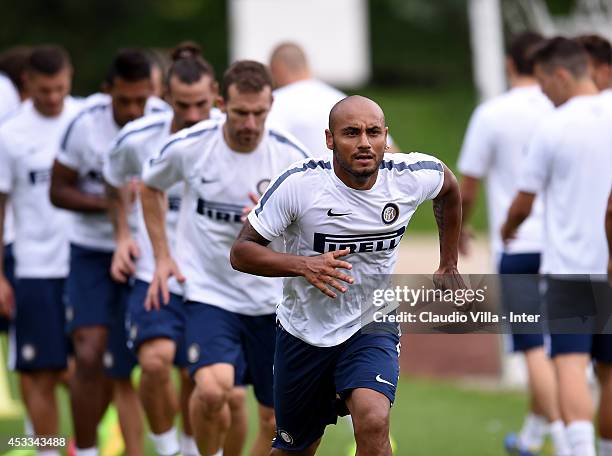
(358, 243)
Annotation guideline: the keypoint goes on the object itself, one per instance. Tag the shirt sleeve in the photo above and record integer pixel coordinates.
(165, 168)
(478, 147)
(535, 169)
(72, 145)
(118, 163)
(6, 169)
(429, 173)
(278, 206)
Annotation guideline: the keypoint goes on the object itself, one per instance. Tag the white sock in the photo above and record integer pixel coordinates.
(581, 437)
(534, 431)
(93, 451)
(28, 429)
(560, 444)
(48, 452)
(188, 445)
(166, 444)
(605, 447)
(219, 453)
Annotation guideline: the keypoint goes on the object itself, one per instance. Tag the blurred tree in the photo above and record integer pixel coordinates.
(92, 30)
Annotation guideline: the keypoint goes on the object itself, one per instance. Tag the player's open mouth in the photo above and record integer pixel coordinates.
(364, 158)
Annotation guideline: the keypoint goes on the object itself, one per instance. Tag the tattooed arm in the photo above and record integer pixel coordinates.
(447, 211)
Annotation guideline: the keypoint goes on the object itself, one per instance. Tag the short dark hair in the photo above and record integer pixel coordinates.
(521, 49)
(598, 48)
(562, 52)
(188, 65)
(48, 59)
(131, 65)
(13, 63)
(248, 75)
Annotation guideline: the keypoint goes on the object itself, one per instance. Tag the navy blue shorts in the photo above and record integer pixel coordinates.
(574, 309)
(312, 383)
(94, 299)
(521, 294)
(9, 272)
(39, 340)
(214, 335)
(167, 322)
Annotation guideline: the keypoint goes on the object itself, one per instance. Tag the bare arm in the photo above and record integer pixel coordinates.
(123, 265)
(7, 300)
(447, 211)
(519, 210)
(154, 209)
(249, 254)
(65, 193)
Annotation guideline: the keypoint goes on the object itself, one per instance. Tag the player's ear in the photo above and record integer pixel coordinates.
(221, 104)
(329, 139)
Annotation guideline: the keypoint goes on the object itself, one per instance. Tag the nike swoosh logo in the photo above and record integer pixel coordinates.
(208, 181)
(382, 380)
(331, 214)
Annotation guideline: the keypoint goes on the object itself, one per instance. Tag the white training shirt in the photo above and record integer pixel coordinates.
(29, 143)
(302, 108)
(494, 149)
(137, 142)
(9, 97)
(9, 104)
(316, 213)
(569, 163)
(85, 144)
(217, 185)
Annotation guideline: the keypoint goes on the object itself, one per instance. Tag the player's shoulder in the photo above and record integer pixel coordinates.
(155, 105)
(410, 162)
(303, 171)
(92, 107)
(138, 130)
(285, 140)
(191, 137)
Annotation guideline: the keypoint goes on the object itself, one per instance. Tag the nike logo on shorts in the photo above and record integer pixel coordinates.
(382, 380)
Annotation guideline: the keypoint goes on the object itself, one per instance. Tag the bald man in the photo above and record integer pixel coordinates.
(342, 220)
(301, 102)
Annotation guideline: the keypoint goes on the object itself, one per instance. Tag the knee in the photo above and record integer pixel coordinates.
(210, 396)
(373, 423)
(155, 364)
(237, 399)
(89, 356)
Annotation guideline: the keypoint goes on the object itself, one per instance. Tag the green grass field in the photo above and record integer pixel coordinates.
(430, 417)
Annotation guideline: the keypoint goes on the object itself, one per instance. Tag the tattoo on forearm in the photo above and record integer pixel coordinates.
(438, 209)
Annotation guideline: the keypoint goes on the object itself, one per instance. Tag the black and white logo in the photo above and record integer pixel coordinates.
(390, 213)
(358, 243)
(262, 185)
(331, 213)
(286, 437)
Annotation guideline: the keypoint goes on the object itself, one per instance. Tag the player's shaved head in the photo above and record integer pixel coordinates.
(352, 106)
(288, 64)
(291, 55)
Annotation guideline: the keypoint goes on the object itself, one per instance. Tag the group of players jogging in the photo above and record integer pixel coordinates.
(150, 232)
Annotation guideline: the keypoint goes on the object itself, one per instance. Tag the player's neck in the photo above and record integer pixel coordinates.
(584, 87)
(47, 114)
(523, 81)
